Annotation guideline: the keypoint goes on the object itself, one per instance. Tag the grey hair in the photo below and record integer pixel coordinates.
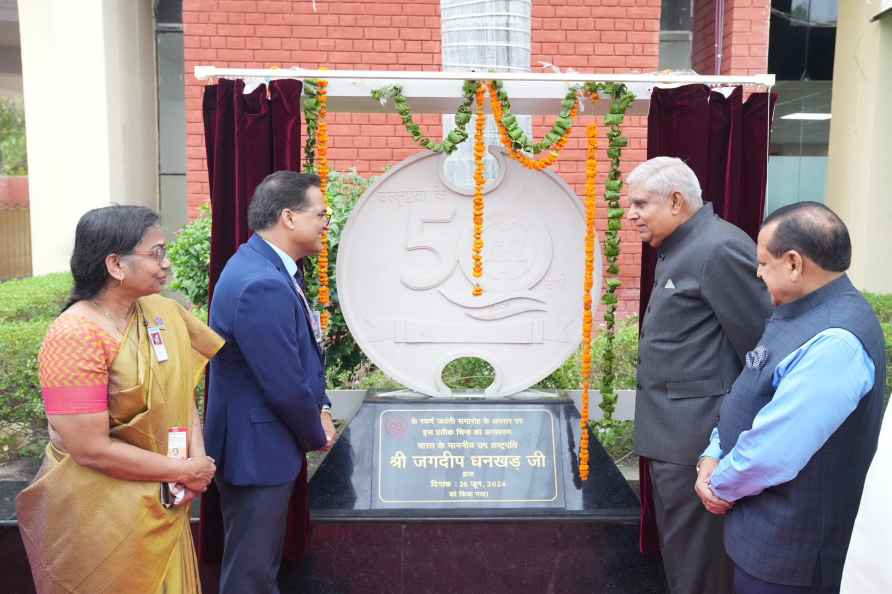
(663, 175)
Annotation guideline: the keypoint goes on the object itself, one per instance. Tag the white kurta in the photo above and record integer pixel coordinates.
(868, 569)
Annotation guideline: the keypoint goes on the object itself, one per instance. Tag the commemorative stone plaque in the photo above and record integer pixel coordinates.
(450, 456)
(404, 275)
(460, 493)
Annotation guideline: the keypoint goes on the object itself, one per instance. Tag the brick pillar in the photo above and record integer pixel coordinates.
(745, 36)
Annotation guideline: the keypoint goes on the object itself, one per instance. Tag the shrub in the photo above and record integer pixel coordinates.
(468, 373)
(27, 308)
(344, 359)
(625, 354)
(190, 257)
(882, 306)
(33, 298)
(22, 420)
(13, 154)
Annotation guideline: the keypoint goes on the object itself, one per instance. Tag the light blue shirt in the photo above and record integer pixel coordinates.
(288, 261)
(817, 387)
(291, 267)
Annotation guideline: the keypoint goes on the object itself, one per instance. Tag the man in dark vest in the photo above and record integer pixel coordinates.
(798, 431)
(707, 309)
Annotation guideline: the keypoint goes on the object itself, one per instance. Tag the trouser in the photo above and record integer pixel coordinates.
(254, 522)
(744, 583)
(691, 538)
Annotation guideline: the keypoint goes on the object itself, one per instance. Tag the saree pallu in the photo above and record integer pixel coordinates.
(86, 532)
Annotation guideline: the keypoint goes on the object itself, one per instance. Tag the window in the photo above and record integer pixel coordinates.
(675, 34)
(171, 114)
(800, 53)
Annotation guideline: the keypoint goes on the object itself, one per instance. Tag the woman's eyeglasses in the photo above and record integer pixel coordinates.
(159, 252)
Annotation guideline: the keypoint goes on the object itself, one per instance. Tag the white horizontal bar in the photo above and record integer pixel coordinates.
(499, 29)
(483, 15)
(470, 43)
(449, 7)
(387, 76)
(467, 65)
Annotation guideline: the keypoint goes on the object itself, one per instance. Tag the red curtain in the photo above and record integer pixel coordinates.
(725, 141)
(247, 137)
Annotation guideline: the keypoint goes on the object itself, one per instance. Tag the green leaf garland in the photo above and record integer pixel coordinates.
(620, 100)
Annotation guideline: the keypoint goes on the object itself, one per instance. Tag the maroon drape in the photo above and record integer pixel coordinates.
(725, 141)
(247, 137)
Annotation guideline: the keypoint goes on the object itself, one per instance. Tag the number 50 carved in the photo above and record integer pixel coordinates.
(441, 244)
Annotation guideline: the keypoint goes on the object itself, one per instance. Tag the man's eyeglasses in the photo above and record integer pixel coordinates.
(159, 252)
(325, 215)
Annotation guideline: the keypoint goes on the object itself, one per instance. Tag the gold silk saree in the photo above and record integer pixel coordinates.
(86, 532)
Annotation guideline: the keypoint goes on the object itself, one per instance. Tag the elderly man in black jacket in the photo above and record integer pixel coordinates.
(707, 309)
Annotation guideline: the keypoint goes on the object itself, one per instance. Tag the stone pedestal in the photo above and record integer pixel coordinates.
(394, 514)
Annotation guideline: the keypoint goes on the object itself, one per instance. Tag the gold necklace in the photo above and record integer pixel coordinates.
(115, 321)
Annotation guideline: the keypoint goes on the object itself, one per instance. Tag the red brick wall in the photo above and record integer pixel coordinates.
(585, 35)
(369, 35)
(617, 36)
(746, 37)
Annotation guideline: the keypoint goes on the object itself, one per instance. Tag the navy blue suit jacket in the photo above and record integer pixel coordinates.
(267, 385)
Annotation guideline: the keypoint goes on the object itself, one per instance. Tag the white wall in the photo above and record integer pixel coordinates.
(859, 178)
(88, 70)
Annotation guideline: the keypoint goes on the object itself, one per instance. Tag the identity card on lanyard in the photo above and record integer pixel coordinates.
(157, 343)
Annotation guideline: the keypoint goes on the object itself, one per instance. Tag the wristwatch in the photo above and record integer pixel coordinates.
(325, 408)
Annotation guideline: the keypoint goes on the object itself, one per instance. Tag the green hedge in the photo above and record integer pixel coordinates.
(39, 297)
(882, 305)
(27, 308)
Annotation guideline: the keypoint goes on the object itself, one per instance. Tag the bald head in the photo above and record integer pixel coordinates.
(812, 230)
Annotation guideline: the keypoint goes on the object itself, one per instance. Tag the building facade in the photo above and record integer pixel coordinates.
(129, 67)
(608, 36)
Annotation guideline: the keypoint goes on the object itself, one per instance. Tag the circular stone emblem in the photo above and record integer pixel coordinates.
(404, 275)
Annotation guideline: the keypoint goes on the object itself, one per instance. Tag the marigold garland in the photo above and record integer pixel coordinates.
(620, 100)
(322, 170)
(534, 164)
(517, 144)
(591, 174)
(479, 183)
(518, 137)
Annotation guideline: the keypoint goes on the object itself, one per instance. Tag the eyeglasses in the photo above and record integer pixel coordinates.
(325, 215)
(159, 252)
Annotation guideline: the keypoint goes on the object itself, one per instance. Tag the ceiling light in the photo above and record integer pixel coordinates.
(806, 116)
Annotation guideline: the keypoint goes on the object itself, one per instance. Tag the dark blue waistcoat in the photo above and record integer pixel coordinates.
(797, 533)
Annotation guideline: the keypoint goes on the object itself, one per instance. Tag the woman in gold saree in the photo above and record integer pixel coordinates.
(118, 370)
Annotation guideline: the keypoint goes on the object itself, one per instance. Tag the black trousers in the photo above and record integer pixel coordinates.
(691, 538)
(254, 522)
(744, 583)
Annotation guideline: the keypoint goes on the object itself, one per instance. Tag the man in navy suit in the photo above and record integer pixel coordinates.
(267, 404)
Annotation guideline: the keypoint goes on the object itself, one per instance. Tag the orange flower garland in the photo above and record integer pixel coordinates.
(322, 170)
(591, 174)
(534, 164)
(479, 183)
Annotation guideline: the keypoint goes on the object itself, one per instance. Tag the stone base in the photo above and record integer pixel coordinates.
(474, 557)
(588, 544)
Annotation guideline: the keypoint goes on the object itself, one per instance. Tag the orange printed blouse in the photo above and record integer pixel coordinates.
(73, 364)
